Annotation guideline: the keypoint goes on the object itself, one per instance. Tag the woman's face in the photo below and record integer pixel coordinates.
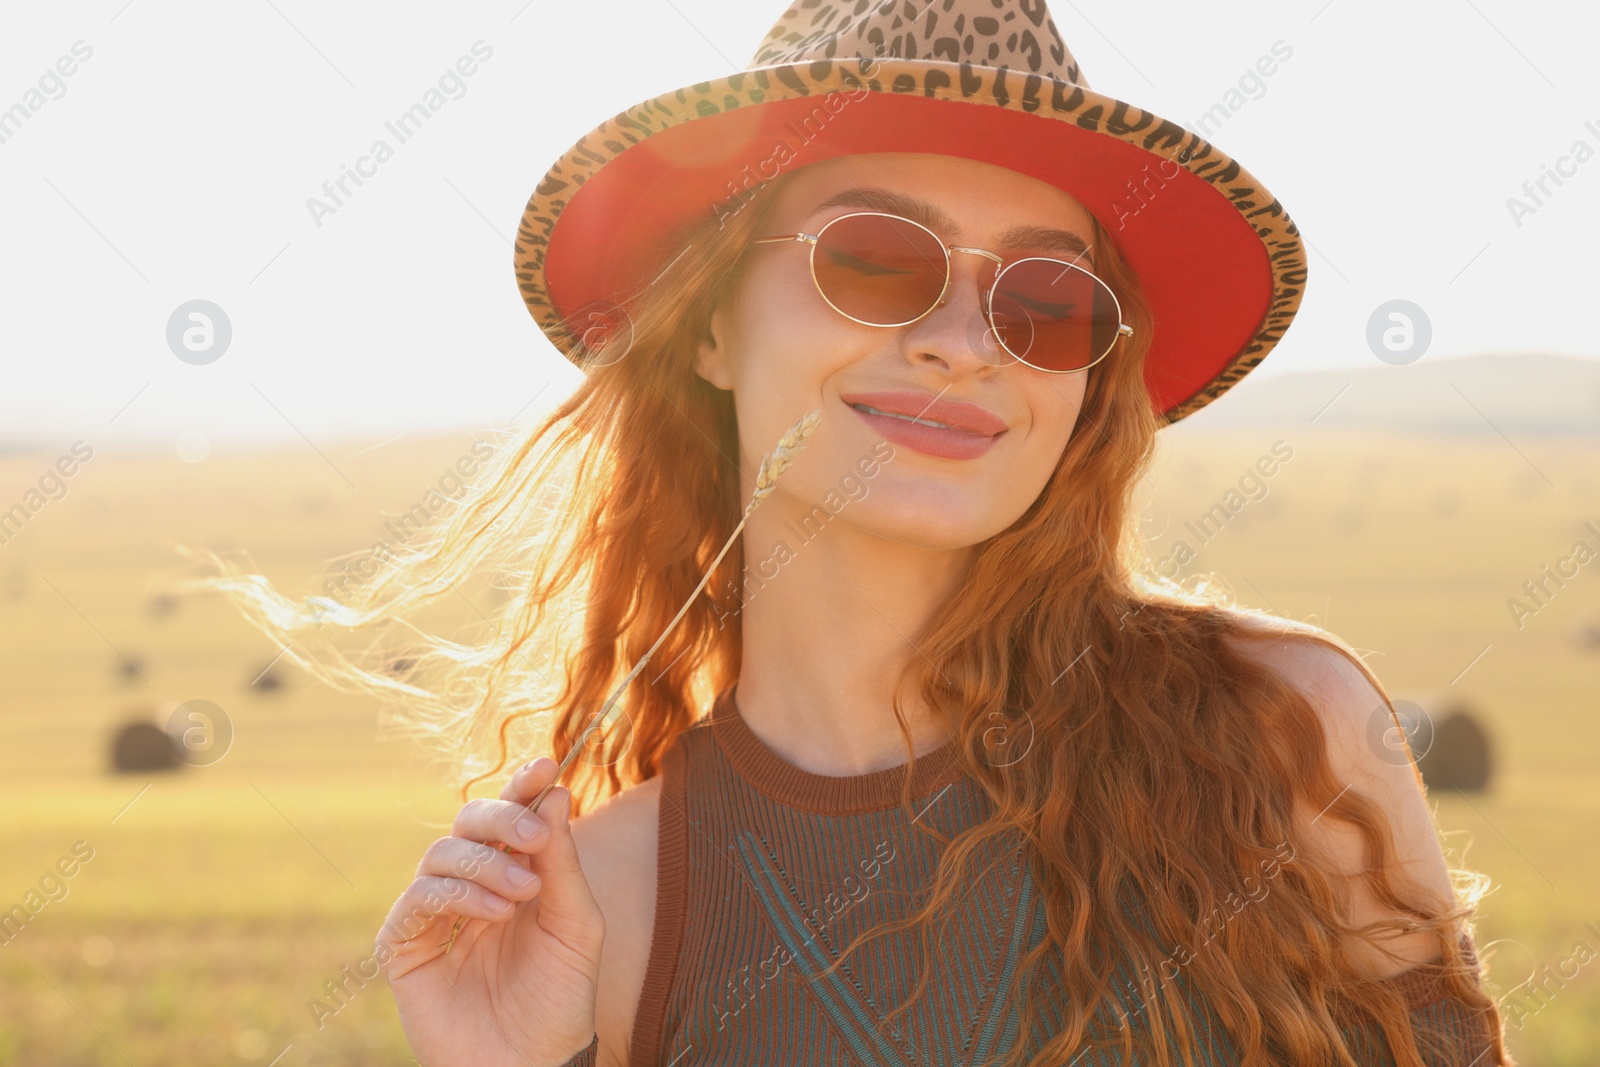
(784, 351)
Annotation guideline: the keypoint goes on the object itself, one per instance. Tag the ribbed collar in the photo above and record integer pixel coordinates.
(768, 773)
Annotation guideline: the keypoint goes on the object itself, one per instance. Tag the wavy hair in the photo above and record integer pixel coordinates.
(599, 522)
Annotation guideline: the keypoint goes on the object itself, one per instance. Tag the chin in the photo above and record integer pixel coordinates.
(929, 520)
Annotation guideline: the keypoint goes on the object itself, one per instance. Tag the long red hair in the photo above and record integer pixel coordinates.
(600, 521)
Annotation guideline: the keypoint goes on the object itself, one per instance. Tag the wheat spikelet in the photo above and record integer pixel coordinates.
(789, 447)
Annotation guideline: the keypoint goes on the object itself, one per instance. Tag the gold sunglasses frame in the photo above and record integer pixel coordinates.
(814, 239)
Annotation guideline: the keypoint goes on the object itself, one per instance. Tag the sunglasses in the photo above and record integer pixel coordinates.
(884, 270)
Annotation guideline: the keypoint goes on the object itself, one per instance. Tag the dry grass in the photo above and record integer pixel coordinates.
(221, 900)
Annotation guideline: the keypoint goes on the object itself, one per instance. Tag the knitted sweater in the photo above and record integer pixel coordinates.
(766, 872)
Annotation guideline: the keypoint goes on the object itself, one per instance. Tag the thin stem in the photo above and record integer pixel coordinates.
(772, 466)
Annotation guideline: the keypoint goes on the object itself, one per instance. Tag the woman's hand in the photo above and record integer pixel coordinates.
(519, 986)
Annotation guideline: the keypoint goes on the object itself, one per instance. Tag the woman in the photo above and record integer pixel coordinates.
(973, 787)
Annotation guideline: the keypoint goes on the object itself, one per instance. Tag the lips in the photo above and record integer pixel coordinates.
(966, 431)
(951, 414)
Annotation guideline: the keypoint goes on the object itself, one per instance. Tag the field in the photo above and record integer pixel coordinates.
(218, 902)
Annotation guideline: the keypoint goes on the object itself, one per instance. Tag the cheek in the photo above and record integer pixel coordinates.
(790, 346)
(787, 362)
(1054, 409)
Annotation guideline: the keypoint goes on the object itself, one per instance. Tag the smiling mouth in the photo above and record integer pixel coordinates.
(870, 410)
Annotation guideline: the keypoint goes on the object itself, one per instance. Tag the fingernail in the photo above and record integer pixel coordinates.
(528, 827)
(519, 876)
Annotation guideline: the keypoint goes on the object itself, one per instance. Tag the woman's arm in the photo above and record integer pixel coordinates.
(1346, 701)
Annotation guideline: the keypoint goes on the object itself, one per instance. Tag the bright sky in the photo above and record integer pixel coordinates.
(176, 161)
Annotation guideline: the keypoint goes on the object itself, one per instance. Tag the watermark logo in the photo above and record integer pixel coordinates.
(806, 528)
(201, 732)
(605, 330)
(1148, 184)
(1398, 744)
(1539, 591)
(51, 86)
(51, 486)
(1252, 82)
(1251, 487)
(1005, 743)
(1399, 332)
(336, 192)
(1529, 997)
(608, 742)
(52, 887)
(403, 528)
(199, 332)
(1536, 192)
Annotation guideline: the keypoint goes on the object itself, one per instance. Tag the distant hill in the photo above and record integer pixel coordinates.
(1516, 394)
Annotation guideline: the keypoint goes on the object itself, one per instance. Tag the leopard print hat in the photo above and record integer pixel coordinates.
(990, 80)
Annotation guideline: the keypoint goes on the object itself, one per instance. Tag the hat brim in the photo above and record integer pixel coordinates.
(1220, 262)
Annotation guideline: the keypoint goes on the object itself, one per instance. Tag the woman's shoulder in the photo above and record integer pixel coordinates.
(1350, 704)
(616, 844)
(613, 834)
(1366, 753)
(1319, 664)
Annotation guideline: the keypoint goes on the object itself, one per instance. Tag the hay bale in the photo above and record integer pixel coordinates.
(267, 678)
(130, 668)
(141, 748)
(1446, 737)
(1460, 757)
(1586, 632)
(399, 666)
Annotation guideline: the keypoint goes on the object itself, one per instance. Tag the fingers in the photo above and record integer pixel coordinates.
(545, 839)
(502, 820)
(529, 779)
(429, 899)
(502, 874)
(564, 889)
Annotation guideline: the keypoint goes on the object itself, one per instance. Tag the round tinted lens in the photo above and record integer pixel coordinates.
(1053, 315)
(880, 270)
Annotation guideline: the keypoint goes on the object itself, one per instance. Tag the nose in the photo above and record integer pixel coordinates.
(996, 260)
(956, 331)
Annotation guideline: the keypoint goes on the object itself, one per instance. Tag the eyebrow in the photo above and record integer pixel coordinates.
(1040, 238)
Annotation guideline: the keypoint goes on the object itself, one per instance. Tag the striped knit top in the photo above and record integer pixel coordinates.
(766, 873)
